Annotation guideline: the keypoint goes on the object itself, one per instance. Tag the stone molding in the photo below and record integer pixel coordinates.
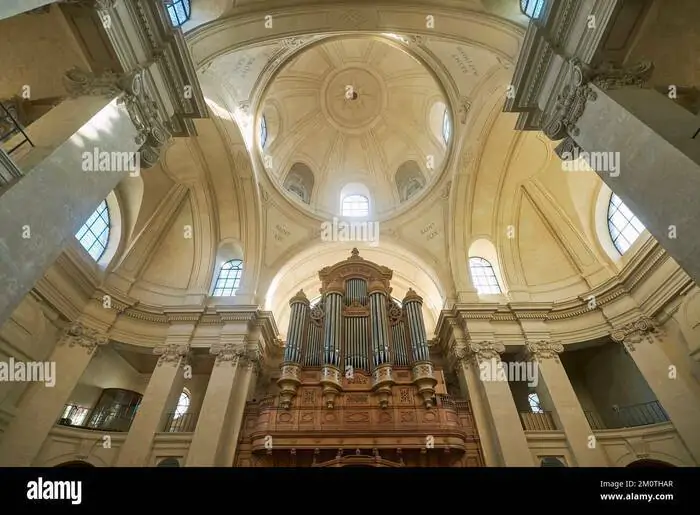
(80, 335)
(544, 349)
(171, 353)
(641, 330)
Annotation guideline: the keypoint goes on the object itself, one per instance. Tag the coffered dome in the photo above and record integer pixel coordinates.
(354, 116)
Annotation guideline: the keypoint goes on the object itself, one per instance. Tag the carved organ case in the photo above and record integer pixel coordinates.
(357, 382)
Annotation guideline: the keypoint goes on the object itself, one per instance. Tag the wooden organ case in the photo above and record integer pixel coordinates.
(357, 385)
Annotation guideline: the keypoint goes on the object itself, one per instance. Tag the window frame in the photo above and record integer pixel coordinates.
(87, 227)
(615, 206)
(484, 264)
(354, 212)
(220, 283)
(173, 13)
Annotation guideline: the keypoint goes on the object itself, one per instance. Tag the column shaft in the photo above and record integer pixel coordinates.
(54, 172)
(567, 409)
(246, 380)
(678, 401)
(208, 440)
(162, 392)
(42, 406)
(659, 173)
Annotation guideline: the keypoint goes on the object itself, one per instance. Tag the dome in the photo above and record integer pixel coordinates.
(354, 116)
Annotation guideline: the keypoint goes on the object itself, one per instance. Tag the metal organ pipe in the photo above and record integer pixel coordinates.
(413, 304)
(333, 327)
(380, 324)
(297, 322)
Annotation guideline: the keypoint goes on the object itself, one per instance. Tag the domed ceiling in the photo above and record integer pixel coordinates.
(354, 115)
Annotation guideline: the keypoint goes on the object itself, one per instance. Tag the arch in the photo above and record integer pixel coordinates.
(229, 253)
(409, 180)
(483, 260)
(649, 463)
(179, 11)
(183, 403)
(75, 463)
(551, 461)
(355, 200)
(300, 181)
(169, 462)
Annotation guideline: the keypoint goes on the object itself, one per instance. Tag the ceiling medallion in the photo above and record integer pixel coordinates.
(353, 99)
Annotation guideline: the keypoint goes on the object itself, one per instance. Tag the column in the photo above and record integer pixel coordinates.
(208, 439)
(567, 409)
(162, 392)
(505, 419)
(83, 148)
(469, 382)
(658, 146)
(678, 401)
(247, 378)
(333, 326)
(42, 405)
(422, 372)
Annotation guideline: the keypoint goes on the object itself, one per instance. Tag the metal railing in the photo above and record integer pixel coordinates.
(635, 415)
(542, 421)
(180, 422)
(116, 418)
(10, 127)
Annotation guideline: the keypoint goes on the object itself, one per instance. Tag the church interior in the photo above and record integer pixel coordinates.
(325, 233)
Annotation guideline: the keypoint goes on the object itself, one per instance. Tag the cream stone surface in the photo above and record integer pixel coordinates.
(352, 91)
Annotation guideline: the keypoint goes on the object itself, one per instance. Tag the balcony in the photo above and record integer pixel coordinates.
(537, 421)
(177, 422)
(116, 418)
(635, 415)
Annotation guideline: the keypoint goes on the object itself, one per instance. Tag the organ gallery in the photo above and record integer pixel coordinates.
(358, 385)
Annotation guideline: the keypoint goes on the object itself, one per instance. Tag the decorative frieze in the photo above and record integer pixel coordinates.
(642, 329)
(544, 349)
(81, 335)
(171, 353)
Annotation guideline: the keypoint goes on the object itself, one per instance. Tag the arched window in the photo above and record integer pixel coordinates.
(532, 8)
(355, 205)
(263, 132)
(229, 278)
(446, 128)
(94, 234)
(183, 404)
(483, 276)
(179, 11)
(534, 400)
(623, 226)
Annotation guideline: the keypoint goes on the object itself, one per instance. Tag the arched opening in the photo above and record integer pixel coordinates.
(169, 462)
(75, 463)
(645, 463)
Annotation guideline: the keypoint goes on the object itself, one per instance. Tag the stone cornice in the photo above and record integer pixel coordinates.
(640, 269)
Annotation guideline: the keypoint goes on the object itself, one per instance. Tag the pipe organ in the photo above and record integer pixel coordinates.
(357, 385)
(357, 328)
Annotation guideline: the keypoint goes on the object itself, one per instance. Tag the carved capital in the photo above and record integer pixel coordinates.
(171, 353)
(486, 350)
(642, 329)
(142, 109)
(571, 102)
(544, 349)
(88, 338)
(231, 353)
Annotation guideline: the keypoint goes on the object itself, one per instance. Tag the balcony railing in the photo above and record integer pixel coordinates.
(542, 421)
(10, 127)
(180, 422)
(635, 415)
(116, 418)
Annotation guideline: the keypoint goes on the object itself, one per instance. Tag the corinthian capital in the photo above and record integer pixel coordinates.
(230, 353)
(486, 350)
(635, 332)
(171, 353)
(80, 335)
(544, 349)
